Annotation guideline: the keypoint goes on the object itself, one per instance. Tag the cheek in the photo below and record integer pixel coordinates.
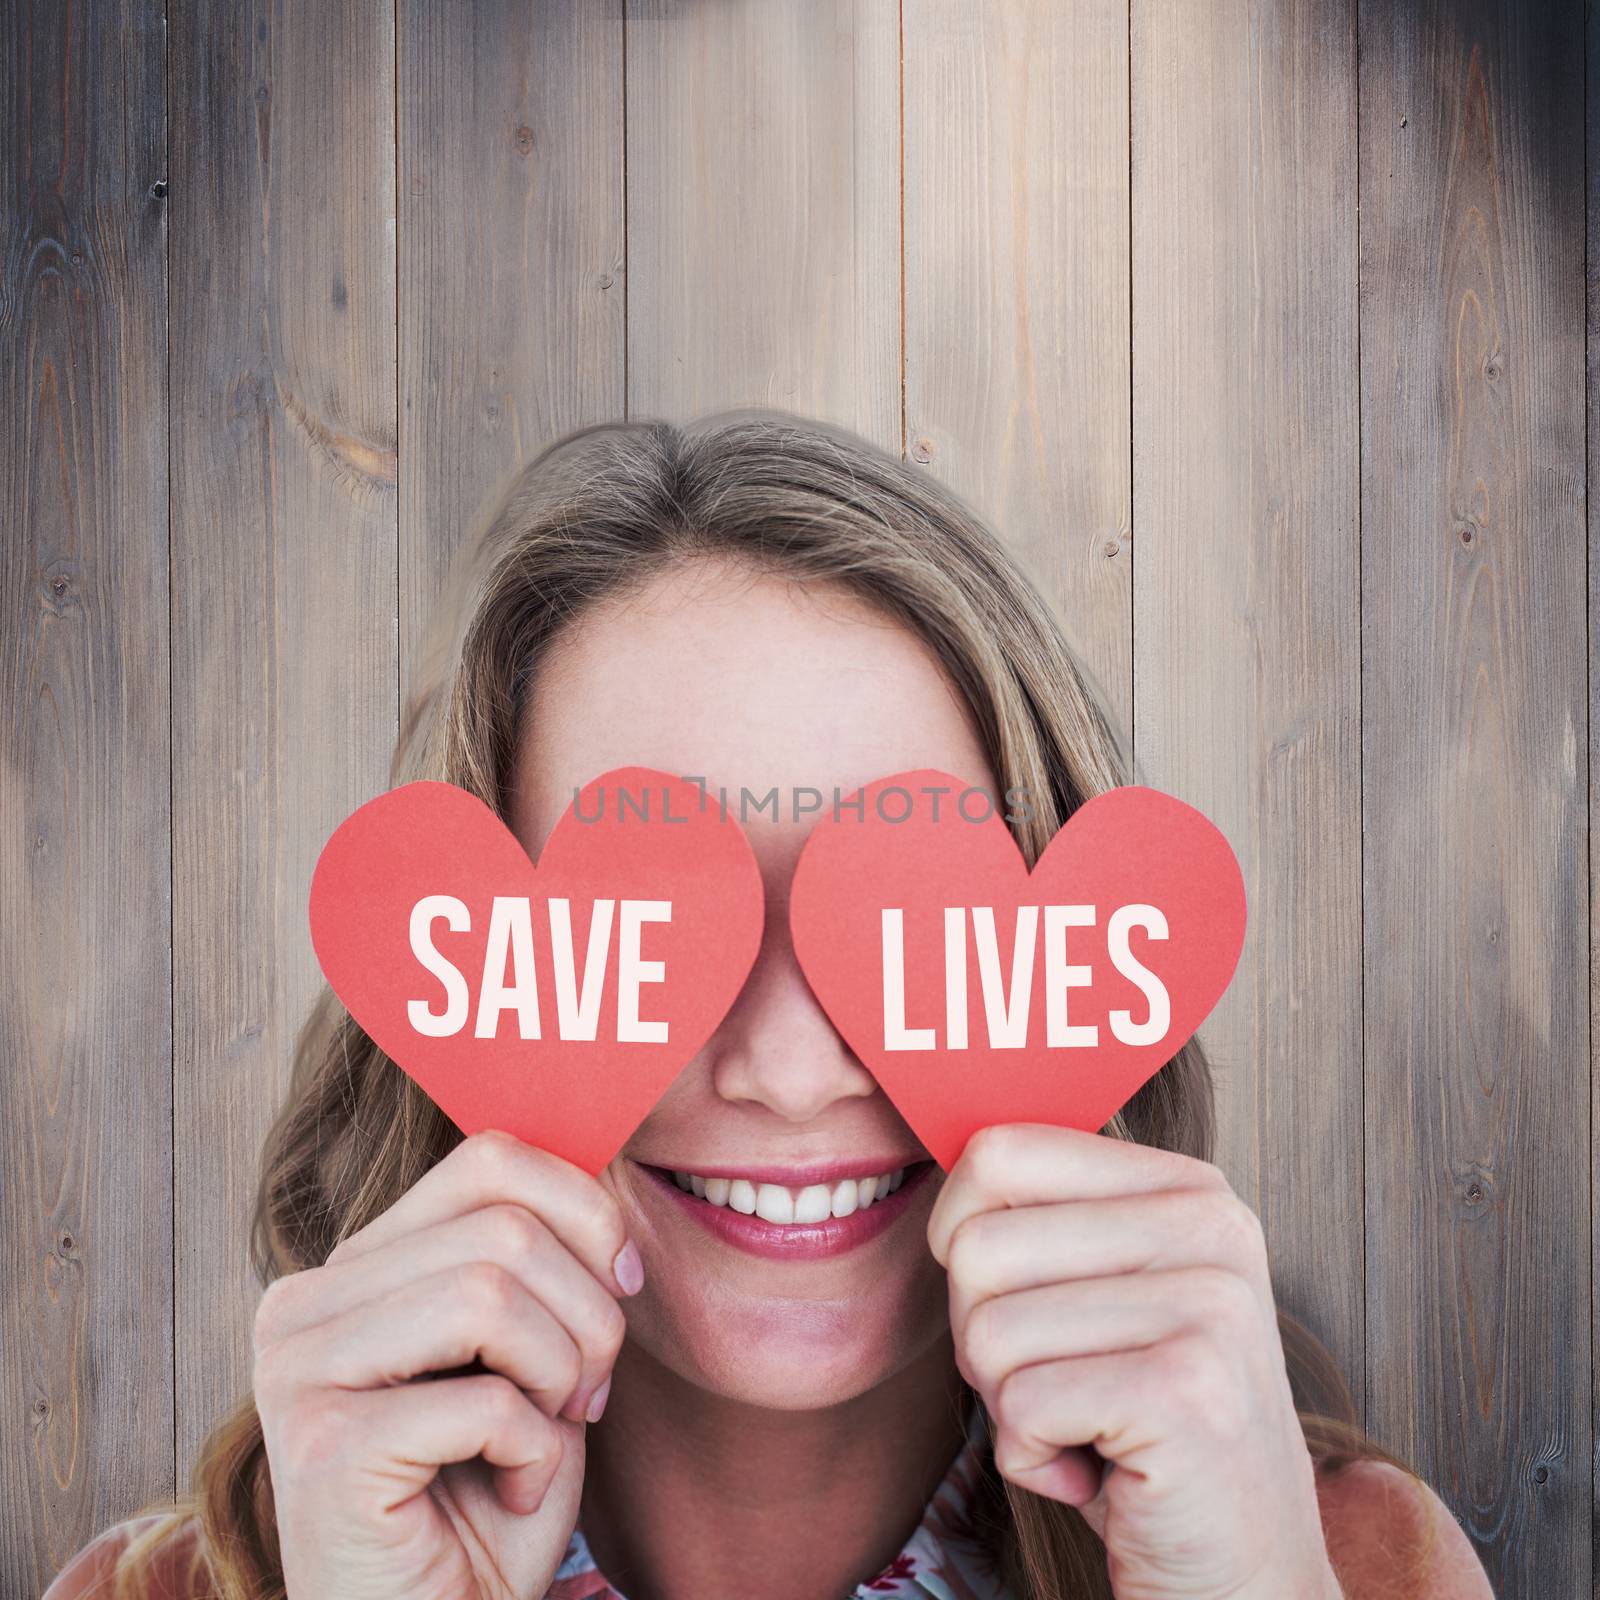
(788, 1348)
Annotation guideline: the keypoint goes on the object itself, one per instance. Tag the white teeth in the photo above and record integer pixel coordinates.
(773, 1202)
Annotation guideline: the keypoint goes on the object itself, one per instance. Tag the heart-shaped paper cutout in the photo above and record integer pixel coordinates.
(910, 849)
(633, 838)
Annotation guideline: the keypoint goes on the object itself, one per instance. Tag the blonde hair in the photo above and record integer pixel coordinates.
(596, 513)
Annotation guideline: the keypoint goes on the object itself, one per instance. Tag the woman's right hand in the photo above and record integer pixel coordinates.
(390, 1484)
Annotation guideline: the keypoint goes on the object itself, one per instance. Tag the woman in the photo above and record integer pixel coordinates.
(1055, 1372)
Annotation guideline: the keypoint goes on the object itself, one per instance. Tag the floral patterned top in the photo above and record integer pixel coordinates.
(942, 1560)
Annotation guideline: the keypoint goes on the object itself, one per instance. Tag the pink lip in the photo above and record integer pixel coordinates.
(800, 1241)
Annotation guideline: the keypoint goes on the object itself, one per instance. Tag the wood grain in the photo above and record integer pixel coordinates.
(1306, 481)
(1474, 678)
(763, 210)
(511, 250)
(85, 931)
(1246, 585)
(283, 580)
(1017, 368)
(1589, 750)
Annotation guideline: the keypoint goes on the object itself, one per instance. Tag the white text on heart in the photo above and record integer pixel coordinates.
(511, 934)
(1007, 1007)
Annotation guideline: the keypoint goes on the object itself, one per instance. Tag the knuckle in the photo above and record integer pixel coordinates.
(487, 1288)
(551, 1371)
(984, 1339)
(993, 1148)
(271, 1312)
(499, 1396)
(502, 1401)
(512, 1233)
(493, 1155)
(569, 1365)
(613, 1329)
(603, 1217)
(538, 1443)
(972, 1379)
(1014, 1400)
(968, 1252)
(267, 1380)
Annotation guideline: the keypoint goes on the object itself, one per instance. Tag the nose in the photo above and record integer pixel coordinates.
(776, 1047)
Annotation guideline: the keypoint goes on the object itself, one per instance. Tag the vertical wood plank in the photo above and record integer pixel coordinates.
(763, 210)
(511, 252)
(1246, 584)
(284, 548)
(1592, 507)
(1472, 385)
(1017, 294)
(85, 981)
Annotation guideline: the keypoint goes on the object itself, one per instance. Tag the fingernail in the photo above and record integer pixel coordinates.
(598, 1403)
(628, 1269)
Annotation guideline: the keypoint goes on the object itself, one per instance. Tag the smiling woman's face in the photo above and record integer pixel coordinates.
(714, 672)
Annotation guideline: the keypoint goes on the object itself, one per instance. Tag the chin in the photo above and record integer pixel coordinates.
(788, 1353)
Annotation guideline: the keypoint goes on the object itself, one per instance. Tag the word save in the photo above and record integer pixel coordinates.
(1008, 1005)
(509, 969)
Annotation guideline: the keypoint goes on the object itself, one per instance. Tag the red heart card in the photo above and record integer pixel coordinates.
(977, 992)
(554, 1002)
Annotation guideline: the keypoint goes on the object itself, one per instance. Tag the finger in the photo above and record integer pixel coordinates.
(1034, 1163)
(476, 1312)
(1002, 1251)
(493, 1168)
(508, 1236)
(1126, 1405)
(1074, 1477)
(1099, 1316)
(425, 1426)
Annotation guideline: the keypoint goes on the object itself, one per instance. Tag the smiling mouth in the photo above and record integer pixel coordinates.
(792, 1220)
(781, 1204)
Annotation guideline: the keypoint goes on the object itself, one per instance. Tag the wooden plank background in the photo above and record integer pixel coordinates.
(1258, 327)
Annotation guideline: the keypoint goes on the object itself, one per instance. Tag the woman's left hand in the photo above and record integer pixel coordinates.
(1107, 1294)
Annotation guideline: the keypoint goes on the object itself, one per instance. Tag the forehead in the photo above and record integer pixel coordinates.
(742, 679)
